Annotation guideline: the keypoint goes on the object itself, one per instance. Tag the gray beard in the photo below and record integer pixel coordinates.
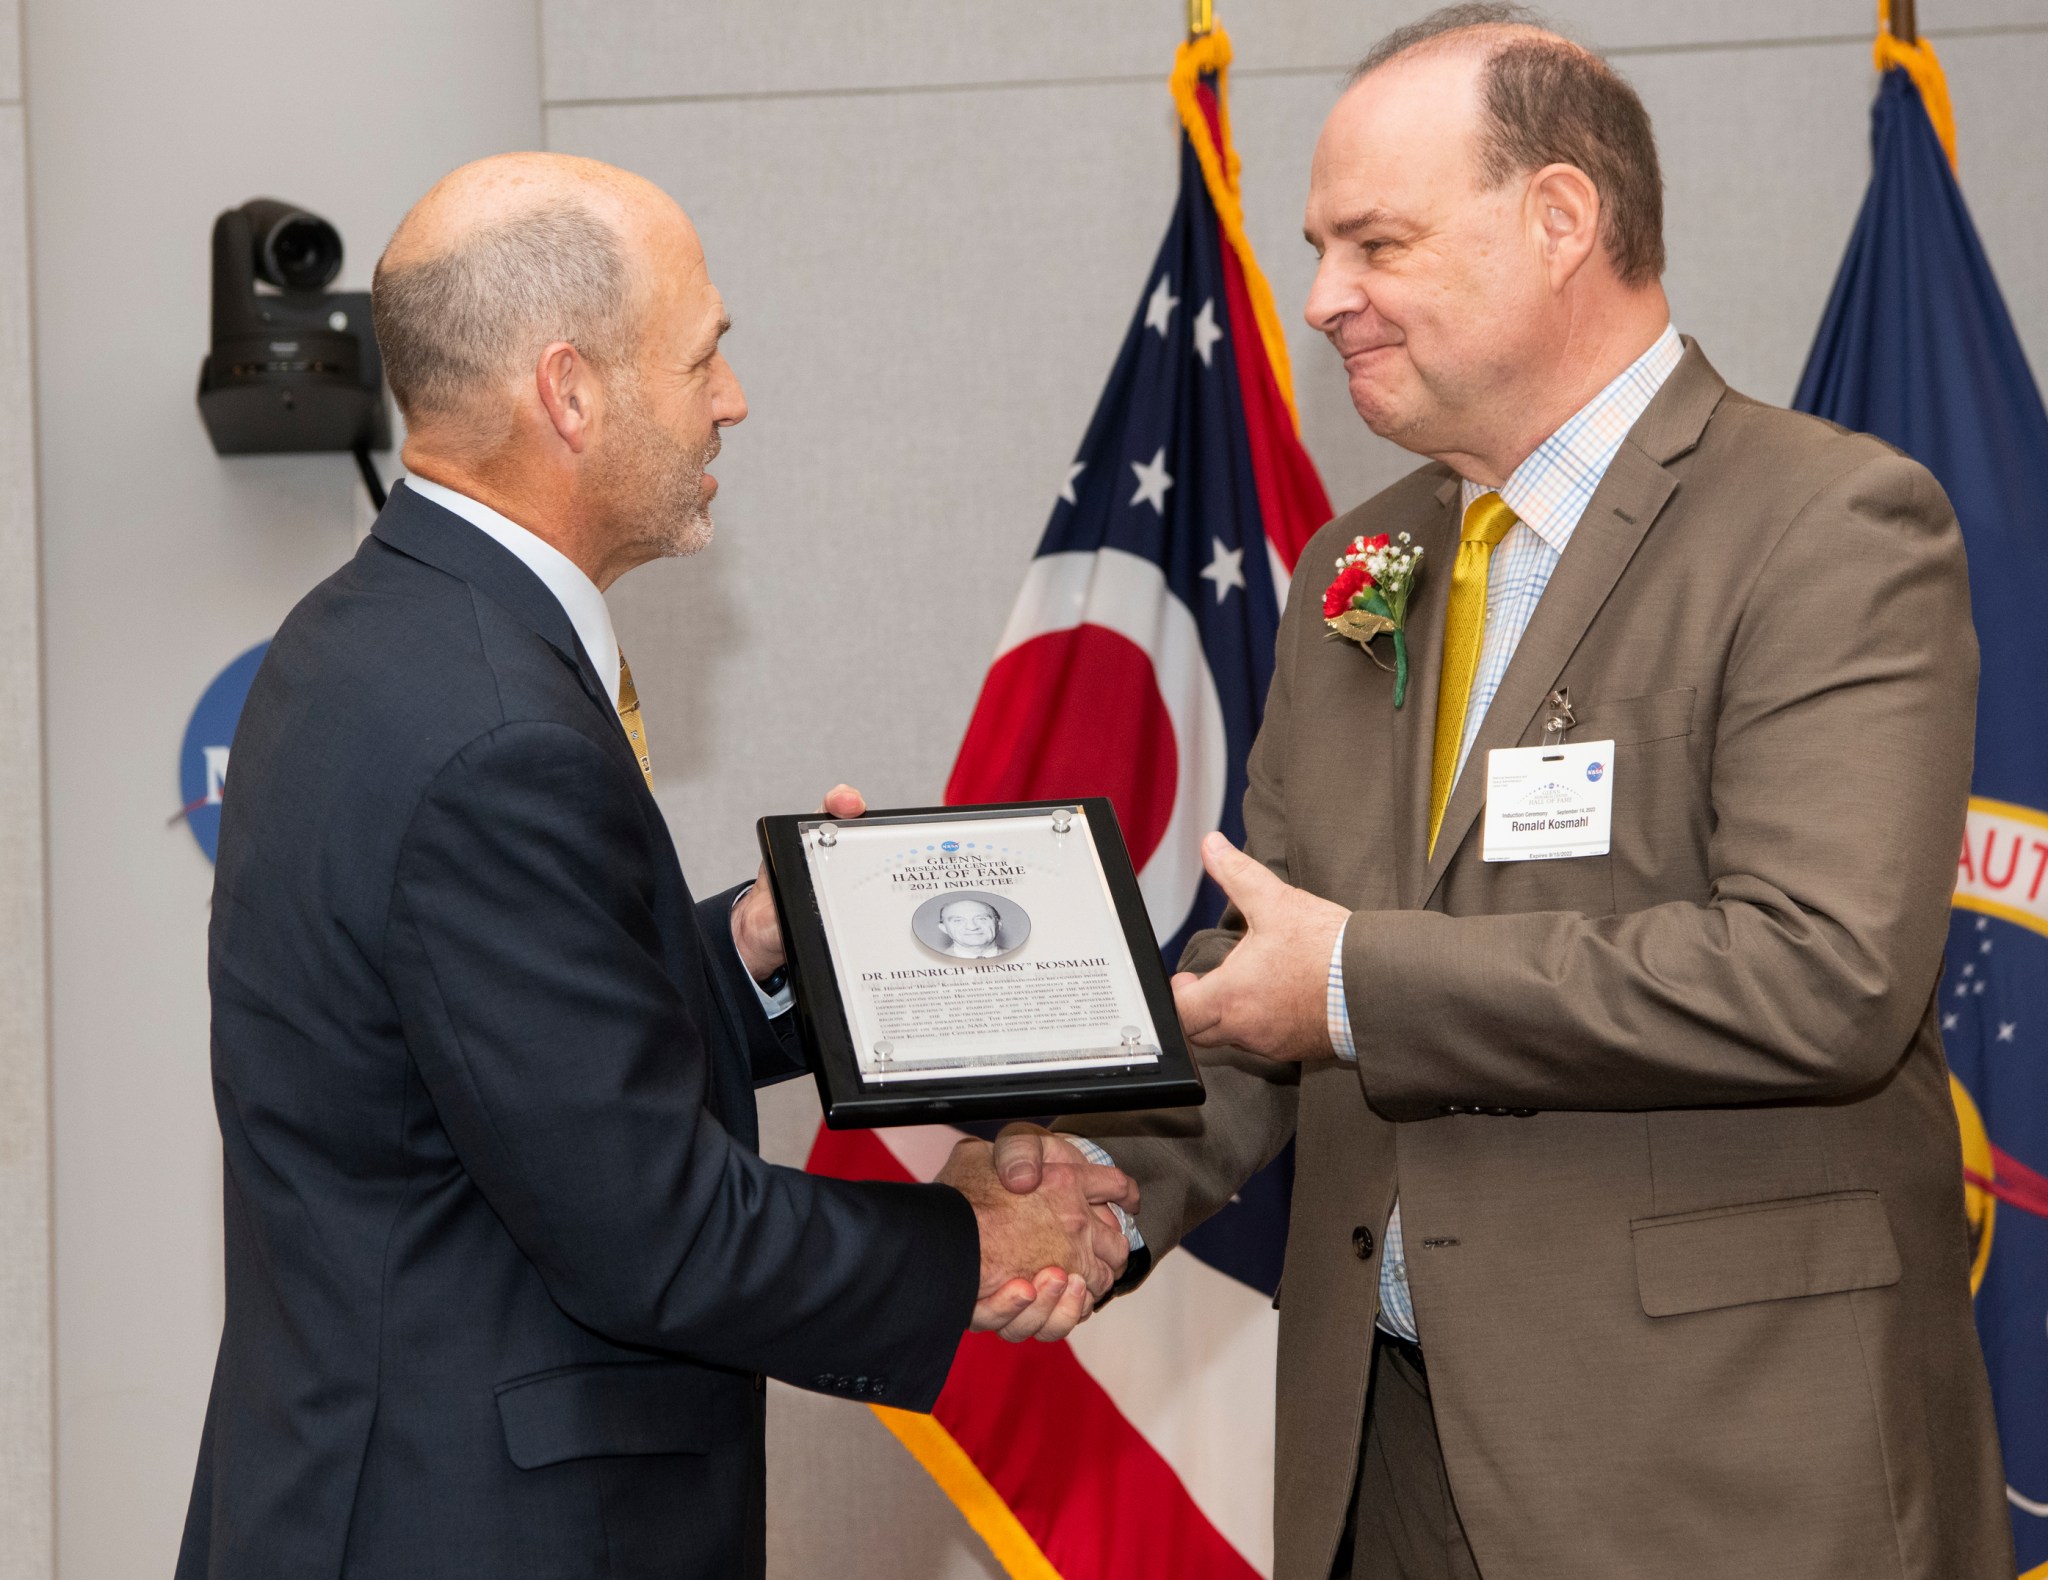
(681, 515)
(656, 487)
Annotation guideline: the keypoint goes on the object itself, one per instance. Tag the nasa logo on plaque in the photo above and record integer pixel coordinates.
(203, 759)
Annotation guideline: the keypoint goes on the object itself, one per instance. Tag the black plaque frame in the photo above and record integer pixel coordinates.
(852, 1103)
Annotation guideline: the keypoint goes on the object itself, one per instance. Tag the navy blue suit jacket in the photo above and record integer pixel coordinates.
(504, 1269)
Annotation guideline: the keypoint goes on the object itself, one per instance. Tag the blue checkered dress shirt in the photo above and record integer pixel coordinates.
(1548, 493)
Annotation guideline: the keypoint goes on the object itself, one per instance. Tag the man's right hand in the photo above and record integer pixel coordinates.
(1048, 1252)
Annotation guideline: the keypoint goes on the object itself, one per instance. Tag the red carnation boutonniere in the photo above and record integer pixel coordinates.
(1369, 598)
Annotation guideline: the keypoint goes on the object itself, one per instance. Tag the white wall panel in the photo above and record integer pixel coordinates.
(25, 1403)
(161, 562)
(614, 49)
(10, 51)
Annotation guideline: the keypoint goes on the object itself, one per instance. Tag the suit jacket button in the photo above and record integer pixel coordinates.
(1361, 1242)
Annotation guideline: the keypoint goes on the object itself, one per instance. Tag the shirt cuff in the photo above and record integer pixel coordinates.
(1335, 1010)
(1101, 1159)
(778, 1003)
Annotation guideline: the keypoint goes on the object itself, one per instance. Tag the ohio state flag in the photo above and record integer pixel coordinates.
(1135, 665)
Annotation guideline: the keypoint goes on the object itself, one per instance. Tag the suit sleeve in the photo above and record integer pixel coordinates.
(1839, 779)
(773, 1051)
(572, 1077)
(1189, 1162)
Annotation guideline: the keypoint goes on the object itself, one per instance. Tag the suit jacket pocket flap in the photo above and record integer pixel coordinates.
(1636, 721)
(651, 1407)
(1772, 1250)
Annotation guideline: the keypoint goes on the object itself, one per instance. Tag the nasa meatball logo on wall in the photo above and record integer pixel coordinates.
(203, 759)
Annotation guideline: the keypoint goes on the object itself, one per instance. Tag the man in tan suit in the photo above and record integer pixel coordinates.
(1628, 1233)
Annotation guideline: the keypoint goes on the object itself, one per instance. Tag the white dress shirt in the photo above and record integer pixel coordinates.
(580, 601)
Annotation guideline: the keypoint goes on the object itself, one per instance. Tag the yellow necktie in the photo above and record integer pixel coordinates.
(629, 715)
(1487, 520)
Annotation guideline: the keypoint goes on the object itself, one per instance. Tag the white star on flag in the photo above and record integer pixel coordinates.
(2006, 1028)
(1159, 309)
(1948, 1021)
(1152, 482)
(1984, 948)
(1206, 333)
(1226, 570)
(1067, 488)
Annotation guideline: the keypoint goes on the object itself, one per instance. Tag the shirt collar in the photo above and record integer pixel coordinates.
(1549, 491)
(574, 591)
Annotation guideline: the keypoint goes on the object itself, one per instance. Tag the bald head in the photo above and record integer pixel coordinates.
(501, 258)
(552, 335)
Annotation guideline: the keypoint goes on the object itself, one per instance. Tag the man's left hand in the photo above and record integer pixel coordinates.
(1268, 996)
(756, 931)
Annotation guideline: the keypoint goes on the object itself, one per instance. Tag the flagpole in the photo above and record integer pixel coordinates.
(1202, 18)
(1903, 23)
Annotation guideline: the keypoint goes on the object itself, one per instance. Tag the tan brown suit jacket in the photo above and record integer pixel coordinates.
(1705, 1312)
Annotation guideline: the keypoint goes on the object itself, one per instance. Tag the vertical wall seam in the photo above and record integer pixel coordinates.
(43, 1566)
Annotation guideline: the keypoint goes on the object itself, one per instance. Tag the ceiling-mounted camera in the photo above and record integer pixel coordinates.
(294, 366)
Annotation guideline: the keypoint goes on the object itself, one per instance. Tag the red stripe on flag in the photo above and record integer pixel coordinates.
(1110, 735)
(1292, 503)
(1092, 1493)
(2014, 1183)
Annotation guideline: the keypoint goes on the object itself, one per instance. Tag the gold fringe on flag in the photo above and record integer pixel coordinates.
(1918, 61)
(947, 1463)
(1210, 54)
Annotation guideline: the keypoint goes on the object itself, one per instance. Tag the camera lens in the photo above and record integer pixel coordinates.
(302, 253)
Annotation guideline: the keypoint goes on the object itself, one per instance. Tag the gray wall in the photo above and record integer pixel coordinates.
(931, 221)
(161, 562)
(25, 1440)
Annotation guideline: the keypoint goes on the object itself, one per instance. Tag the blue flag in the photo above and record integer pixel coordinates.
(1917, 348)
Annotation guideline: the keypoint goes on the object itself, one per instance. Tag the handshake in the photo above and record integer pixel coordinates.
(1052, 1244)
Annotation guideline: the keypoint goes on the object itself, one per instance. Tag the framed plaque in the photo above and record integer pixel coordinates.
(986, 962)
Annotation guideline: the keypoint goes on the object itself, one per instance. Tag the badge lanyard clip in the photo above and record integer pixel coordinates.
(1561, 718)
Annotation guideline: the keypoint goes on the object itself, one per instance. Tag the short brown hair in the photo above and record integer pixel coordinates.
(1548, 101)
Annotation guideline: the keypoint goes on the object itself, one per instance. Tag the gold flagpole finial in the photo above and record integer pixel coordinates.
(1201, 18)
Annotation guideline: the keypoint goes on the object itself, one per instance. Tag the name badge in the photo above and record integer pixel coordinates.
(1547, 803)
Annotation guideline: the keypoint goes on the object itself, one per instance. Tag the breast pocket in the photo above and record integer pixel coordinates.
(1637, 721)
(1657, 848)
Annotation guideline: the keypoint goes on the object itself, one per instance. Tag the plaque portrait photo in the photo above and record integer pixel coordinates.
(970, 924)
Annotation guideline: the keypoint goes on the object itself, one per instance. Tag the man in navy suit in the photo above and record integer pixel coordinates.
(504, 1269)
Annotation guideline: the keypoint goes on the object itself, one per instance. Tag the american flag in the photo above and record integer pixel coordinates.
(1134, 665)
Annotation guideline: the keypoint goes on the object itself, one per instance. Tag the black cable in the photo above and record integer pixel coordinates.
(371, 480)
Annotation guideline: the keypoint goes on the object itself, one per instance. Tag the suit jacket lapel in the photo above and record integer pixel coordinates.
(1631, 494)
(1414, 725)
(416, 526)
